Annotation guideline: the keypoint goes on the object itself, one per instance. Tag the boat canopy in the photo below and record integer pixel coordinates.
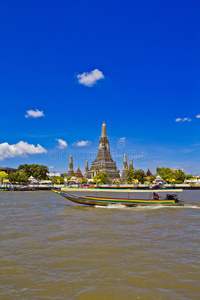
(123, 190)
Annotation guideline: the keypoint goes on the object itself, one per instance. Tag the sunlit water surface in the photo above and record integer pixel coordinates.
(53, 249)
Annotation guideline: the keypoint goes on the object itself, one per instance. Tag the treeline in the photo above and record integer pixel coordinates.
(133, 175)
(168, 175)
(25, 171)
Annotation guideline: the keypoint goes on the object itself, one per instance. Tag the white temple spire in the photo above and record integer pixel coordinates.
(71, 167)
(103, 130)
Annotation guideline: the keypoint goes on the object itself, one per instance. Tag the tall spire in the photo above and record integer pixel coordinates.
(125, 165)
(103, 160)
(71, 167)
(103, 130)
(125, 168)
(86, 166)
(131, 165)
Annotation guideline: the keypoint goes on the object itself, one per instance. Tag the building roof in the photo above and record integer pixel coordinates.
(148, 173)
(7, 169)
(78, 170)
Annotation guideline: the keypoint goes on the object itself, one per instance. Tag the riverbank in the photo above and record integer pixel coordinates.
(39, 187)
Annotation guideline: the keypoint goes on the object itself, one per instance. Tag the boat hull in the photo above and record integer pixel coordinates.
(102, 201)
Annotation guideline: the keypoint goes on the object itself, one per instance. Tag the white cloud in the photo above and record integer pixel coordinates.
(90, 78)
(61, 144)
(34, 113)
(198, 116)
(183, 119)
(82, 143)
(19, 149)
(51, 167)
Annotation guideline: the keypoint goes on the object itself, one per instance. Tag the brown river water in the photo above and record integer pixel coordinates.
(51, 248)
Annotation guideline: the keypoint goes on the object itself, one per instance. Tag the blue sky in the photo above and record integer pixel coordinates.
(65, 66)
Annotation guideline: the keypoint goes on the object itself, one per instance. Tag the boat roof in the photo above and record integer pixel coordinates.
(123, 190)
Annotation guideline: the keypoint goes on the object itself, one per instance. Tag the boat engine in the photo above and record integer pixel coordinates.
(172, 197)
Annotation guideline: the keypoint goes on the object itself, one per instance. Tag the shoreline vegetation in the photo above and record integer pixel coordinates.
(36, 177)
(39, 187)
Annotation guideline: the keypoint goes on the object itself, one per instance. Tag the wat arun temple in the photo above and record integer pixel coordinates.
(103, 162)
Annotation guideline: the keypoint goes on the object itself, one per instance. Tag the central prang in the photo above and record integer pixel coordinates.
(103, 162)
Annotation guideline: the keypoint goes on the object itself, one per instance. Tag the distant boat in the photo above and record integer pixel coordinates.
(100, 200)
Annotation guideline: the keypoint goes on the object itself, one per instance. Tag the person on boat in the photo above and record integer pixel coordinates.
(155, 196)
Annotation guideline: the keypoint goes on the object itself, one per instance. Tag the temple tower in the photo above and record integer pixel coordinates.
(71, 167)
(125, 167)
(86, 168)
(104, 162)
(103, 130)
(131, 165)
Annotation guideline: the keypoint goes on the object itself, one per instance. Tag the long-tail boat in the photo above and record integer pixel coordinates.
(100, 200)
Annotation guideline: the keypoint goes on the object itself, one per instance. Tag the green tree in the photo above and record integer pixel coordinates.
(152, 178)
(3, 175)
(129, 176)
(166, 174)
(35, 170)
(13, 176)
(18, 176)
(136, 174)
(169, 175)
(84, 181)
(180, 176)
(140, 175)
(27, 169)
(23, 177)
(101, 178)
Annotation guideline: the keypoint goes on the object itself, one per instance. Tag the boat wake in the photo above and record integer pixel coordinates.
(164, 206)
(146, 207)
(193, 206)
(113, 206)
(121, 206)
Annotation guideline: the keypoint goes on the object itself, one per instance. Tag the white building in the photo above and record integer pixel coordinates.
(55, 174)
(195, 180)
(158, 180)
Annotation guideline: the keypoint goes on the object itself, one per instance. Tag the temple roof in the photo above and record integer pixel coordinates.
(78, 170)
(148, 173)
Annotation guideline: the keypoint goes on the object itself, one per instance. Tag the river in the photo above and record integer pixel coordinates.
(51, 248)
